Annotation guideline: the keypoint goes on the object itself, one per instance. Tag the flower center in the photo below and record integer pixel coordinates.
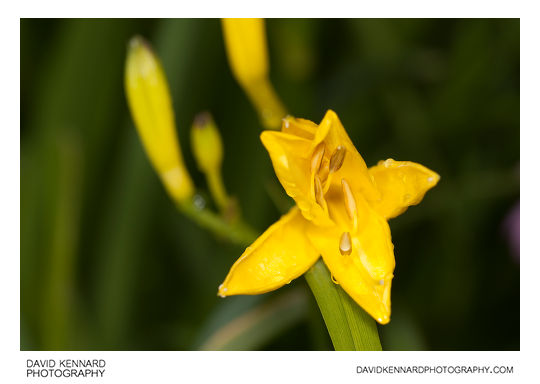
(323, 170)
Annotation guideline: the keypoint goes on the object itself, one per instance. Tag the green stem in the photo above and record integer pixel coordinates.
(349, 326)
(236, 232)
(217, 189)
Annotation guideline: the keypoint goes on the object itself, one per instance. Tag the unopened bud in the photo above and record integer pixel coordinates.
(245, 41)
(208, 151)
(151, 108)
(206, 143)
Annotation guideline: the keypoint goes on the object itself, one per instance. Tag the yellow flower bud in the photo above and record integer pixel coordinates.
(208, 150)
(206, 143)
(151, 108)
(245, 41)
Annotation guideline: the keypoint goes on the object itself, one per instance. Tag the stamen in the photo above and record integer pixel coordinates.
(324, 170)
(319, 194)
(317, 157)
(336, 160)
(345, 244)
(350, 203)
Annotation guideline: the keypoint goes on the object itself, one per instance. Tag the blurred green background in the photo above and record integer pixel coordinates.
(107, 262)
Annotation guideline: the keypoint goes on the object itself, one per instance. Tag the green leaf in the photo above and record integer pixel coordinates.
(349, 326)
(256, 323)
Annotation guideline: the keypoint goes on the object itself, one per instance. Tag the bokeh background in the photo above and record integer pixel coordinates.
(107, 262)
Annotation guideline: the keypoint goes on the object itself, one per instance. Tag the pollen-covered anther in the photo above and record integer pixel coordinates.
(317, 157)
(319, 194)
(350, 203)
(345, 244)
(337, 158)
(324, 170)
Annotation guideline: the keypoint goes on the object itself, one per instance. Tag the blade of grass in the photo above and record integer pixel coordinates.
(253, 328)
(59, 292)
(349, 326)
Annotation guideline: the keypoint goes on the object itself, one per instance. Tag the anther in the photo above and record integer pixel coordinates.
(317, 157)
(345, 244)
(336, 160)
(319, 194)
(324, 171)
(350, 203)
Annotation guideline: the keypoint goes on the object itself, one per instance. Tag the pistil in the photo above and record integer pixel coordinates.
(350, 203)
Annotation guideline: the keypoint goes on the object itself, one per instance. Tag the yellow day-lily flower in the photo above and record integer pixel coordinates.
(341, 213)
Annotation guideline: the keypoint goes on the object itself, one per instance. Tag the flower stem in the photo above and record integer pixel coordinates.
(217, 189)
(349, 326)
(235, 231)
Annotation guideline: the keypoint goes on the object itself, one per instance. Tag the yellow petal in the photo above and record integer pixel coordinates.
(291, 158)
(365, 272)
(150, 105)
(354, 168)
(299, 127)
(279, 255)
(401, 184)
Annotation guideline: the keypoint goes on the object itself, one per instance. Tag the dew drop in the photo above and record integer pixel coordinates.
(345, 244)
(221, 290)
(199, 202)
(334, 280)
(388, 163)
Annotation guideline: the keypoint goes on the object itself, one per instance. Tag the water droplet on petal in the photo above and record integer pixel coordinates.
(388, 163)
(221, 291)
(345, 244)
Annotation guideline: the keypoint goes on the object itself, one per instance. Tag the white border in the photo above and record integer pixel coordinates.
(263, 367)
